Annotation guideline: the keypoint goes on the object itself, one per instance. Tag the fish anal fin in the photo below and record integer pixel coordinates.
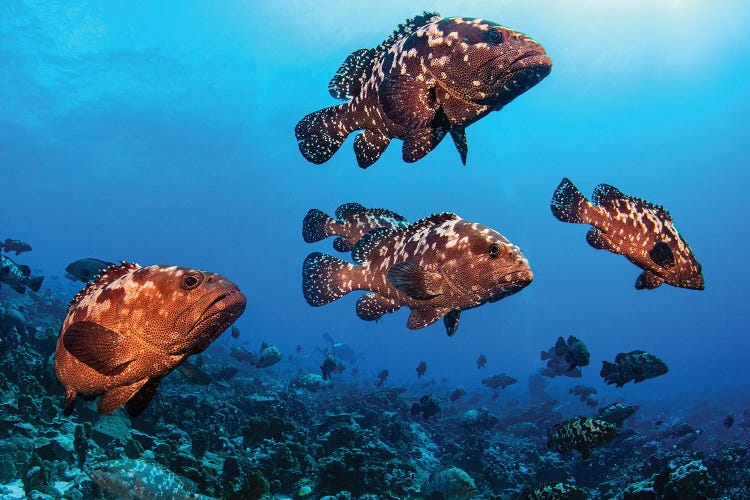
(415, 281)
(372, 306)
(451, 321)
(104, 350)
(142, 398)
(662, 255)
(118, 396)
(597, 239)
(418, 143)
(648, 281)
(419, 318)
(369, 145)
(458, 134)
(407, 101)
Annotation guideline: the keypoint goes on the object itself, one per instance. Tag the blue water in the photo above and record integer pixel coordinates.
(164, 134)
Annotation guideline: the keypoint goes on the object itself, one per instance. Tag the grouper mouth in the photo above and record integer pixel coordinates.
(512, 283)
(523, 73)
(219, 315)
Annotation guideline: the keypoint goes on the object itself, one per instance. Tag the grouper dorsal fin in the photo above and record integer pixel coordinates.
(105, 278)
(609, 197)
(347, 81)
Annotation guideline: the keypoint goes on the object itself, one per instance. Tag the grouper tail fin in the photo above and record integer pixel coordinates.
(326, 278)
(321, 134)
(568, 203)
(315, 226)
(35, 282)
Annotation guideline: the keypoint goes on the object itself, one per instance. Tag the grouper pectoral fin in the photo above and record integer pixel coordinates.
(415, 281)
(648, 280)
(118, 396)
(419, 318)
(142, 398)
(662, 255)
(407, 102)
(104, 350)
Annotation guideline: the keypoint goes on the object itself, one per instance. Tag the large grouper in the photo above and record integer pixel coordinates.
(133, 325)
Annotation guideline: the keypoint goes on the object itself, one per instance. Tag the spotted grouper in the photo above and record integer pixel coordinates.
(642, 232)
(134, 325)
(436, 267)
(432, 77)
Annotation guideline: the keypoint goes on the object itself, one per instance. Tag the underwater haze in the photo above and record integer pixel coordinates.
(163, 133)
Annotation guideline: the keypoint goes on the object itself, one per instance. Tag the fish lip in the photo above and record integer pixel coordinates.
(513, 282)
(227, 307)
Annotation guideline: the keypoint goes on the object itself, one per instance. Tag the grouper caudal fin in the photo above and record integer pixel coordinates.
(326, 278)
(321, 134)
(568, 203)
(315, 226)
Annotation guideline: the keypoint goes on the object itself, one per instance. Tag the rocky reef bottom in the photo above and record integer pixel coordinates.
(286, 433)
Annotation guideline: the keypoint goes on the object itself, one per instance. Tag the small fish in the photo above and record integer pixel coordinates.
(428, 406)
(87, 269)
(582, 434)
(329, 364)
(457, 393)
(269, 356)
(434, 76)
(382, 376)
(687, 440)
(729, 421)
(642, 232)
(561, 362)
(18, 246)
(235, 332)
(450, 483)
(243, 355)
(635, 365)
(134, 325)
(18, 277)
(421, 369)
(582, 390)
(573, 351)
(436, 267)
(298, 349)
(354, 221)
(554, 491)
(193, 374)
(481, 361)
(501, 380)
(616, 413)
(590, 401)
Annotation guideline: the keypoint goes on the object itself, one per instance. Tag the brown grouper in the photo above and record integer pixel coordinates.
(134, 325)
(432, 77)
(436, 267)
(352, 222)
(642, 232)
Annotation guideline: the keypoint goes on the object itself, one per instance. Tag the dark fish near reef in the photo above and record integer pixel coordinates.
(18, 246)
(582, 390)
(560, 364)
(582, 434)
(18, 277)
(87, 269)
(457, 393)
(501, 380)
(554, 491)
(616, 413)
(269, 356)
(134, 325)
(354, 221)
(329, 364)
(421, 369)
(635, 365)
(729, 421)
(481, 361)
(449, 483)
(243, 355)
(428, 406)
(642, 232)
(573, 351)
(382, 376)
(436, 267)
(235, 332)
(432, 77)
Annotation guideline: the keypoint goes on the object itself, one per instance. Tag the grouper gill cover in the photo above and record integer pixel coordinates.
(374, 250)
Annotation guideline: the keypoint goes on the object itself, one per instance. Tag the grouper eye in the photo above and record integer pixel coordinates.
(494, 250)
(191, 280)
(495, 36)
